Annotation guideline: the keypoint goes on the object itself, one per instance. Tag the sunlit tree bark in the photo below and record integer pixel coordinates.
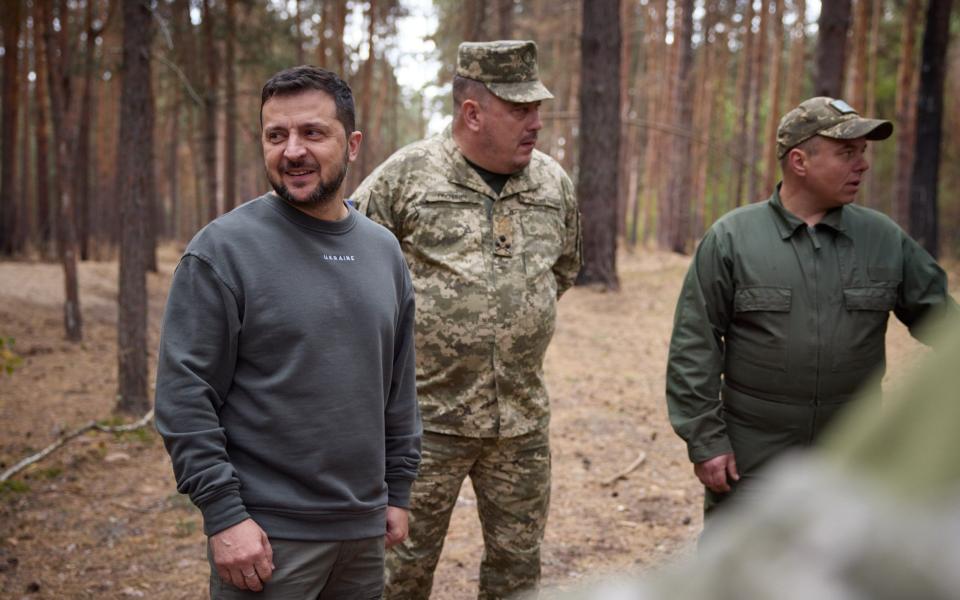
(905, 112)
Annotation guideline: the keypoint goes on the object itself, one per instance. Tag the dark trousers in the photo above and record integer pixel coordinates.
(349, 570)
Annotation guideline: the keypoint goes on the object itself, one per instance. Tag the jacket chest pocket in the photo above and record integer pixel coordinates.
(859, 337)
(761, 325)
(448, 234)
(869, 299)
(542, 226)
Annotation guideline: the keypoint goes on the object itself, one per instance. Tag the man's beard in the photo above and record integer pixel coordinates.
(323, 193)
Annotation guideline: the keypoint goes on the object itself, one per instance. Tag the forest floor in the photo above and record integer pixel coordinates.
(102, 519)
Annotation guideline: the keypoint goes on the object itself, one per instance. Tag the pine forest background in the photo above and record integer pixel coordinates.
(751, 61)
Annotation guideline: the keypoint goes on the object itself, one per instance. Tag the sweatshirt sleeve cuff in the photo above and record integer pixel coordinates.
(398, 492)
(226, 511)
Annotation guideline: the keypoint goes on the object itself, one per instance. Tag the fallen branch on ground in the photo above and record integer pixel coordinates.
(623, 474)
(91, 426)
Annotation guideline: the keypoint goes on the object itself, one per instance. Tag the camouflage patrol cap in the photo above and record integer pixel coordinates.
(508, 68)
(830, 118)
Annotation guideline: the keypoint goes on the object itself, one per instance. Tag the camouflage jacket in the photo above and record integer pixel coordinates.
(487, 272)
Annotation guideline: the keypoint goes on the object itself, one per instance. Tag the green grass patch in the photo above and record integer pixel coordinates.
(13, 486)
(185, 528)
(48, 473)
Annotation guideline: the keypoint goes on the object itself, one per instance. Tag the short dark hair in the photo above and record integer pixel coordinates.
(465, 88)
(810, 145)
(307, 77)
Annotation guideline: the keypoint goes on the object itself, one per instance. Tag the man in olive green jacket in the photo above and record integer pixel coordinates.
(783, 312)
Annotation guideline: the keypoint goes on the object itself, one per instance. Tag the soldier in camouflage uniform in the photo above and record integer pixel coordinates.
(783, 311)
(491, 231)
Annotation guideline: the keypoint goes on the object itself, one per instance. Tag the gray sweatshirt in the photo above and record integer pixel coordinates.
(285, 381)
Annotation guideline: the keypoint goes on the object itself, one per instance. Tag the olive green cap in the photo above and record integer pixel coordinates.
(829, 117)
(508, 68)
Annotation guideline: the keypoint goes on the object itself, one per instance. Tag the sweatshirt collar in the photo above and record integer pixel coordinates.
(304, 220)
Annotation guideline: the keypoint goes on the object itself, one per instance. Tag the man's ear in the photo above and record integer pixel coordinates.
(470, 109)
(797, 161)
(353, 145)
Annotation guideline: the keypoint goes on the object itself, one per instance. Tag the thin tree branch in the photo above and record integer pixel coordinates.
(92, 425)
(181, 76)
(623, 474)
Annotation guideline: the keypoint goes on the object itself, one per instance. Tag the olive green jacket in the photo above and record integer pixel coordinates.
(779, 324)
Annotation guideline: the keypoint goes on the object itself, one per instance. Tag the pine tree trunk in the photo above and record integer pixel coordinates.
(24, 226)
(339, 49)
(573, 95)
(657, 103)
(798, 51)
(9, 203)
(505, 19)
(297, 41)
(173, 167)
(597, 182)
(904, 113)
(230, 106)
(44, 221)
(774, 111)
(661, 173)
(926, 161)
(871, 194)
(213, 66)
(108, 105)
(136, 123)
(366, 97)
(183, 216)
(323, 44)
(84, 155)
(831, 47)
(381, 99)
(626, 154)
(680, 197)
(713, 94)
(760, 57)
(66, 232)
(640, 175)
(473, 15)
(856, 93)
(745, 82)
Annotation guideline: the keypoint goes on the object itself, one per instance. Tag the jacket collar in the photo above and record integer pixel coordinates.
(788, 223)
(462, 174)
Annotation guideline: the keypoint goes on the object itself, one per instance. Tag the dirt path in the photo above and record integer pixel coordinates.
(102, 518)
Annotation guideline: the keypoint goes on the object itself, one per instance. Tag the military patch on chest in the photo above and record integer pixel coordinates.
(445, 195)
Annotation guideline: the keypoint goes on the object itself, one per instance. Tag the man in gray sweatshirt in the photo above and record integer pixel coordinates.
(285, 380)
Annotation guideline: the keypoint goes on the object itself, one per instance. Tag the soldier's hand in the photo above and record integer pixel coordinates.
(242, 555)
(714, 472)
(397, 526)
